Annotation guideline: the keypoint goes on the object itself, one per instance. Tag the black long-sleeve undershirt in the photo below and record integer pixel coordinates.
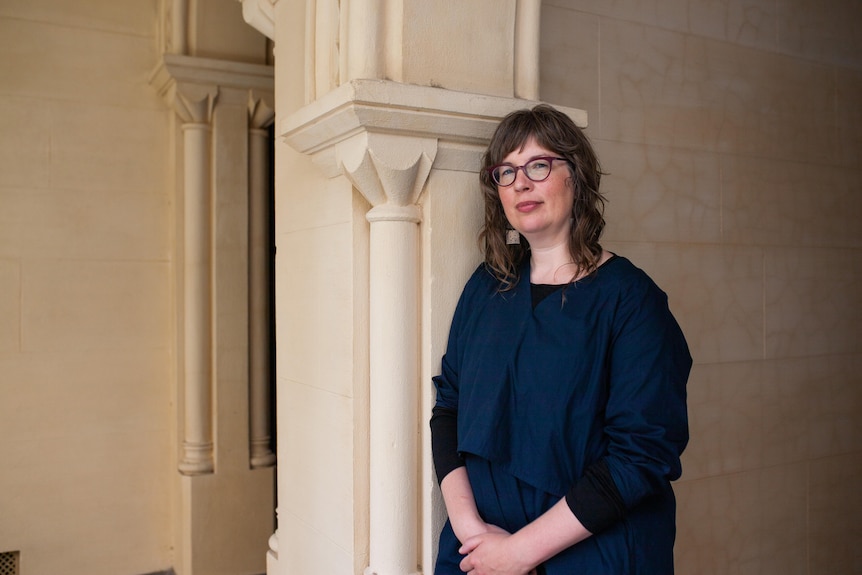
(594, 499)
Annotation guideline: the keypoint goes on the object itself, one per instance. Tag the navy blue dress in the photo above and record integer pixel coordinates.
(596, 372)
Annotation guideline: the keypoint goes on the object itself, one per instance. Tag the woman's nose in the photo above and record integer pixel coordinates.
(522, 182)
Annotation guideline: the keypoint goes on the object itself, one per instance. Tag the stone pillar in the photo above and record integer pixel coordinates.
(528, 18)
(390, 171)
(194, 105)
(259, 279)
(366, 29)
(394, 374)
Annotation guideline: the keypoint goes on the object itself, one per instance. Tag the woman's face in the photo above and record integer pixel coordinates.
(540, 211)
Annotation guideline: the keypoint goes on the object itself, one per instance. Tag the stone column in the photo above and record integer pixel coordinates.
(259, 279)
(394, 377)
(526, 74)
(194, 105)
(390, 171)
(366, 30)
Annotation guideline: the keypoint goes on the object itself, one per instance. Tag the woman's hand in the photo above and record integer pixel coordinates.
(495, 553)
(484, 528)
(492, 553)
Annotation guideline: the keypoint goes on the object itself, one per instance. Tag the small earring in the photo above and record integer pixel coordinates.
(513, 238)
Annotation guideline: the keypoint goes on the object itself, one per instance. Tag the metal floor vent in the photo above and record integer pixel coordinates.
(9, 562)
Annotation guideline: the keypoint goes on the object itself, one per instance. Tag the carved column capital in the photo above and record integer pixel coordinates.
(260, 111)
(387, 168)
(194, 103)
(191, 85)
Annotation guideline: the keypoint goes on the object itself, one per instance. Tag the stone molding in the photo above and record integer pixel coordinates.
(392, 107)
(260, 15)
(178, 71)
(462, 123)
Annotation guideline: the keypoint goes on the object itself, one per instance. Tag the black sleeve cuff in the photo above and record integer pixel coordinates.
(444, 441)
(595, 499)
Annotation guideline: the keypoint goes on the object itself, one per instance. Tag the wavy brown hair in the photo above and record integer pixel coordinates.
(556, 132)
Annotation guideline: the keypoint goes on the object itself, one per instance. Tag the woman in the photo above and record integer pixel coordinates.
(560, 414)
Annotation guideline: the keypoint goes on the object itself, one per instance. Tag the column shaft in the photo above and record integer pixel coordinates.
(258, 300)
(198, 443)
(394, 395)
(527, 23)
(365, 51)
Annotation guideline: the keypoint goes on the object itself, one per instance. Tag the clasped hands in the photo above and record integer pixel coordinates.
(492, 553)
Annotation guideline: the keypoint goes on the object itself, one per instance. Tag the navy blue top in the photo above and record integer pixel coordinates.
(595, 374)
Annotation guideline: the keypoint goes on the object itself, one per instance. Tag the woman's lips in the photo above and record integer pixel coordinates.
(527, 207)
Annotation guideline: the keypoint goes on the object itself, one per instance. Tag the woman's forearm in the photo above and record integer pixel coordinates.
(461, 505)
(552, 532)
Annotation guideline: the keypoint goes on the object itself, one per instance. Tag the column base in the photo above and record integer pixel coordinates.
(197, 459)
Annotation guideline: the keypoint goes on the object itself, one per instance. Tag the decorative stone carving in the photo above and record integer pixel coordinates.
(387, 168)
(260, 112)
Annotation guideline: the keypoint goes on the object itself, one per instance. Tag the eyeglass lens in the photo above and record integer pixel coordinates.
(537, 170)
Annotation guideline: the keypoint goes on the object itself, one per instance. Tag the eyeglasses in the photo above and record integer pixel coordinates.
(537, 170)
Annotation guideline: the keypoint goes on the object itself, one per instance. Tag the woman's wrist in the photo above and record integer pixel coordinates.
(467, 527)
(550, 533)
